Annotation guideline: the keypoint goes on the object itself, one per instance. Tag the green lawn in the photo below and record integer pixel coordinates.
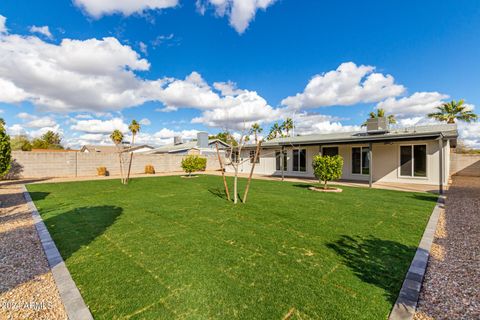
(163, 248)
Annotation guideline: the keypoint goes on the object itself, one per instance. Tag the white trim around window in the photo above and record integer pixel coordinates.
(361, 161)
(412, 155)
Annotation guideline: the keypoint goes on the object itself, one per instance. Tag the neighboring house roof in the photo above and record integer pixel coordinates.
(112, 148)
(175, 148)
(53, 150)
(411, 133)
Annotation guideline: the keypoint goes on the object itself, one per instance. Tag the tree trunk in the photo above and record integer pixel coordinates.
(325, 185)
(131, 159)
(257, 153)
(235, 179)
(225, 185)
(121, 166)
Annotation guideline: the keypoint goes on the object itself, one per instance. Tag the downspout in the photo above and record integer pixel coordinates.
(440, 160)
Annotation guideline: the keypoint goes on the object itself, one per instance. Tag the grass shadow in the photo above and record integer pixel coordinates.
(79, 227)
(426, 197)
(218, 193)
(304, 185)
(382, 263)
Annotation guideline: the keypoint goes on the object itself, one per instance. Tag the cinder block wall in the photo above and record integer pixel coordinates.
(465, 164)
(79, 164)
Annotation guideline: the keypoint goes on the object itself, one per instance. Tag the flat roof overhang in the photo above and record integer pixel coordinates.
(360, 140)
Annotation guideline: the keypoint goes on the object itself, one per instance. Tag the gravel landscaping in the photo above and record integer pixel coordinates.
(450, 289)
(27, 288)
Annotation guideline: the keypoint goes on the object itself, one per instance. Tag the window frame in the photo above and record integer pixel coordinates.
(279, 159)
(252, 156)
(330, 146)
(298, 162)
(411, 145)
(361, 161)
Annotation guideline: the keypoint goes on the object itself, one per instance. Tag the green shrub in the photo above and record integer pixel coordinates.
(327, 168)
(5, 151)
(149, 169)
(193, 163)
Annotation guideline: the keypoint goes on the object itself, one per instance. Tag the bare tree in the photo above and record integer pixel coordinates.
(225, 185)
(252, 169)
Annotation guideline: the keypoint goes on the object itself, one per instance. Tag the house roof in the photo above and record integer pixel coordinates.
(412, 133)
(172, 148)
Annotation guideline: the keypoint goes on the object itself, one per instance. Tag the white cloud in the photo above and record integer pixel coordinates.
(65, 78)
(18, 129)
(311, 123)
(348, 85)
(3, 26)
(98, 8)
(239, 112)
(41, 122)
(36, 122)
(227, 88)
(10, 93)
(239, 12)
(100, 126)
(143, 47)
(470, 134)
(145, 122)
(42, 30)
(419, 103)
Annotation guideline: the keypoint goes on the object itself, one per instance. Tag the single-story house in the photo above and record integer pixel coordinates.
(418, 154)
(114, 149)
(201, 146)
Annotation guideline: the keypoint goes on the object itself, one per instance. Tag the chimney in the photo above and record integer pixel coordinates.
(377, 125)
(177, 140)
(202, 139)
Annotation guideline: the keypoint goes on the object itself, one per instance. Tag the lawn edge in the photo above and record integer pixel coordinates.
(406, 303)
(69, 294)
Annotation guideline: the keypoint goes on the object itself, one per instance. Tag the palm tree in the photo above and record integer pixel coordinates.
(2, 123)
(380, 114)
(287, 125)
(117, 138)
(134, 128)
(454, 110)
(275, 131)
(256, 129)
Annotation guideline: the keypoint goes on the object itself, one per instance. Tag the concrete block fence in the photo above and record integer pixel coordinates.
(79, 164)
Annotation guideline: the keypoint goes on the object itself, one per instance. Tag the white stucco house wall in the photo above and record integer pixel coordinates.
(417, 155)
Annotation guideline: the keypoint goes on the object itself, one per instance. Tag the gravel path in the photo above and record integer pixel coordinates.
(27, 288)
(451, 289)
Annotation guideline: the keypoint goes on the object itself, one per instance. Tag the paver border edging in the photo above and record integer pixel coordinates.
(69, 294)
(406, 304)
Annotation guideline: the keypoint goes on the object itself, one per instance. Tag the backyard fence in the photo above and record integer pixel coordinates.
(80, 164)
(465, 164)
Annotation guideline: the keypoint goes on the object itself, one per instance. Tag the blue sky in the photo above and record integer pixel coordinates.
(404, 56)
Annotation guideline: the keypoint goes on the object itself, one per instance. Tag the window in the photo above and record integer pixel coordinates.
(300, 160)
(278, 161)
(330, 151)
(252, 157)
(413, 161)
(360, 160)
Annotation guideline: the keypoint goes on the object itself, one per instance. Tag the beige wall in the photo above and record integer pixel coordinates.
(72, 164)
(465, 164)
(386, 163)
